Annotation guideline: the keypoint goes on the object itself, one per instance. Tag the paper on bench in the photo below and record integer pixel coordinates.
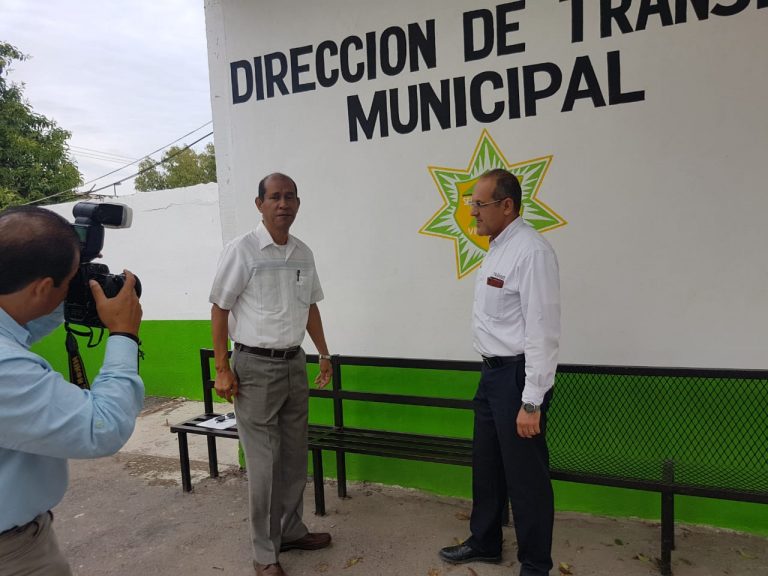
(223, 425)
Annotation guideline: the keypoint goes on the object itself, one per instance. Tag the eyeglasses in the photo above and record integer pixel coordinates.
(479, 205)
(227, 416)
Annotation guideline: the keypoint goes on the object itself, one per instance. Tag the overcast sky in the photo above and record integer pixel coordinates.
(124, 77)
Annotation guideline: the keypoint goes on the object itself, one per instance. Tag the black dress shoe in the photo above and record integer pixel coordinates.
(465, 553)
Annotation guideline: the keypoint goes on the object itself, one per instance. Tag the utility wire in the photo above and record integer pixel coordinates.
(77, 150)
(80, 155)
(147, 169)
(147, 155)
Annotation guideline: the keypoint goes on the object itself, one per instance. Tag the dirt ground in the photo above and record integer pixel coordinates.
(126, 515)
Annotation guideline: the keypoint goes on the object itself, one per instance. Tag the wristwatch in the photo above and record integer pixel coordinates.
(324, 356)
(530, 407)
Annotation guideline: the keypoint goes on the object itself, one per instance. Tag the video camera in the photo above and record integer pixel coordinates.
(90, 220)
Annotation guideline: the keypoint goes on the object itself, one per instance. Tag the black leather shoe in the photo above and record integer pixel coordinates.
(310, 541)
(465, 553)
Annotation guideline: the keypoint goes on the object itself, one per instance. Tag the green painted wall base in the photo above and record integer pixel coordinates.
(171, 365)
(171, 368)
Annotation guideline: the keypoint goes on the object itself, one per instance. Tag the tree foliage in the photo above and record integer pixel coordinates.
(178, 168)
(34, 154)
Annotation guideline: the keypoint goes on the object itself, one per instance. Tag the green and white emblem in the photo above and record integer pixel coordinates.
(454, 220)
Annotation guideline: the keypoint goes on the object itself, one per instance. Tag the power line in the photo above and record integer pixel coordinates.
(99, 155)
(100, 152)
(146, 155)
(147, 169)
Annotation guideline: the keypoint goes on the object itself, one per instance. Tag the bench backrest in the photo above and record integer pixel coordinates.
(702, 428)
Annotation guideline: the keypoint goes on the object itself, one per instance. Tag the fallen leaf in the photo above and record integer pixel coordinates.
(741, 552)
(686, 561)
(457, 541)
(322, 567)
(462, 516)
(352, 561)
(565, 568)
(619, 542)
(433, 572)
(472, 572)
(642, 558)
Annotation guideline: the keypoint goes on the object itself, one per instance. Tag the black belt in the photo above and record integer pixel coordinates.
(14, 529)
(499, 361)
(20, 528)
(286, 354)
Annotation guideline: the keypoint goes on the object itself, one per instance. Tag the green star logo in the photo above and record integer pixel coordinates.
(454, 219)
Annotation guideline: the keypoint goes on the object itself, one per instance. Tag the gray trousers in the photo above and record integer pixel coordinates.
(32, 550)
(271, 408)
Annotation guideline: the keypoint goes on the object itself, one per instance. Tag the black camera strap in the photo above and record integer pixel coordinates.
(77, 374)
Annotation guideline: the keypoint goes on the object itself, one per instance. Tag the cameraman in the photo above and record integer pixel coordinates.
(44, 419)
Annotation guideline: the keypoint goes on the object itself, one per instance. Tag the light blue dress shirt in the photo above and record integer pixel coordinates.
(44, 419)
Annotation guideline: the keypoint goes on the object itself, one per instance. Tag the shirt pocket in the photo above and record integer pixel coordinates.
(494, 299)
(305, 279)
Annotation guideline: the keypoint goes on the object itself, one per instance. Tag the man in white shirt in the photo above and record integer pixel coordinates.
(516, 329)
(265, 298)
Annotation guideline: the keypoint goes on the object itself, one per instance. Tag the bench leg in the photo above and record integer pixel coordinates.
(317, 474)
(186, 480)
(341, 472)
(213, 457)
(667, 532)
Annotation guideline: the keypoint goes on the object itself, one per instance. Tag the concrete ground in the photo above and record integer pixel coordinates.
(126, 515)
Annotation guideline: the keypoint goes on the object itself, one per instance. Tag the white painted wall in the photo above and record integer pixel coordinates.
(173, 246)
(661, 258)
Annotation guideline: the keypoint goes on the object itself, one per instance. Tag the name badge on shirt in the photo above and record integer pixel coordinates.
(495, 282)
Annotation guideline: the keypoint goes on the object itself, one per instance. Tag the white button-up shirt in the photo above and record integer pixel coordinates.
(517, 305)
(267, 288)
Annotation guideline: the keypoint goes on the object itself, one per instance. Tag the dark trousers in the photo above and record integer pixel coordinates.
(506, 467)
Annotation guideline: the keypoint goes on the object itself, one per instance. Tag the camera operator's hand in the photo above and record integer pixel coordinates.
(121, 313)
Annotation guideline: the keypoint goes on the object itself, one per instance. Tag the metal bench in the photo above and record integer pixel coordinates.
(665, 430)
(192, 425)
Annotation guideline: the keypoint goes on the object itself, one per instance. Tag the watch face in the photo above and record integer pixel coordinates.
(530, 408)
